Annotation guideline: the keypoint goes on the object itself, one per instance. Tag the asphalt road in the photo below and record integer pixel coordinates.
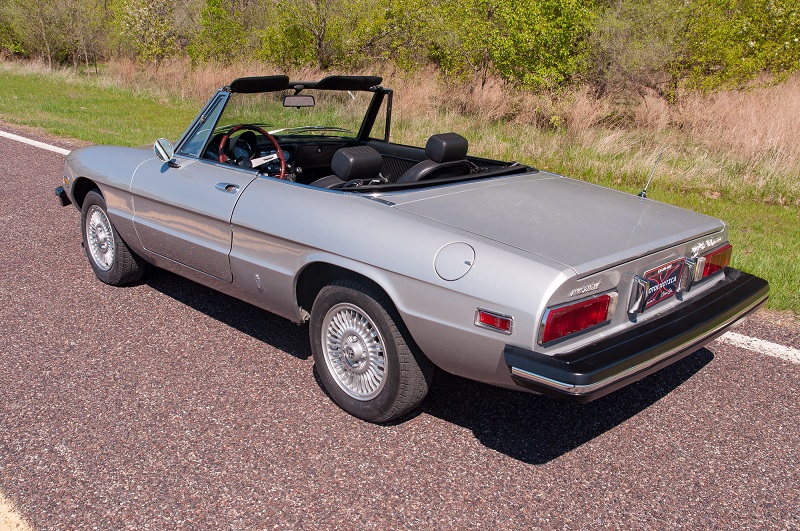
(166, 405)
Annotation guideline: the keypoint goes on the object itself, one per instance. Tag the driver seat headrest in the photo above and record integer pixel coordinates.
(357, 162)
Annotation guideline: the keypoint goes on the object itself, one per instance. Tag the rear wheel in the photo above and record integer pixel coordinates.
(365, 358)
(109, 256)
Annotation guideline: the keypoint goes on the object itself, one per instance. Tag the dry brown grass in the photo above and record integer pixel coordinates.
(759, 130)
(178, 78)
(755, 123)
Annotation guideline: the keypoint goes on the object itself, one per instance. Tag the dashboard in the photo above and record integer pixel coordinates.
(307, 158)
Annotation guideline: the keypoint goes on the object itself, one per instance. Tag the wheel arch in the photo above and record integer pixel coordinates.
(80, 188)
(316, 275)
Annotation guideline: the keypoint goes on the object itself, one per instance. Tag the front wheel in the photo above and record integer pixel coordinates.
(364, 356)
(109, 256)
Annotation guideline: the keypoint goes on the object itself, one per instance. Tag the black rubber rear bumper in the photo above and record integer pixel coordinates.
(612, 363)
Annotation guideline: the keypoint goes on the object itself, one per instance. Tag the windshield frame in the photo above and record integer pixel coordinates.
(380, 96)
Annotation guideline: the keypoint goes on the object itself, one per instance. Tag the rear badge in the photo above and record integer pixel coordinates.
(662, 282)
(702, 246)
(585, 289)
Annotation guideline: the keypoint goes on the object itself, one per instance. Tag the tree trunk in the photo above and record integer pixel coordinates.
(46, 43)
(322, 59)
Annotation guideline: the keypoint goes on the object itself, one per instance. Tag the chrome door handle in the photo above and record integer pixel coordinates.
(228, 187)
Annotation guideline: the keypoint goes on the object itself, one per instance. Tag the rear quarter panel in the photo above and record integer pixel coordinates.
(279, 228)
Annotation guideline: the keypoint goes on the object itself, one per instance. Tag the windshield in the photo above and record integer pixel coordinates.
(334, 114)
(297, 135)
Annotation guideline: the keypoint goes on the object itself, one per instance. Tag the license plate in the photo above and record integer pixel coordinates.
(663, 282)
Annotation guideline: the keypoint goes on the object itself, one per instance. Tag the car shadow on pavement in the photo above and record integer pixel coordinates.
(531, 428)
(255, 322)
(536, 429)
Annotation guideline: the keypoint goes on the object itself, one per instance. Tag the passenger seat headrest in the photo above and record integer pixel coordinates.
(357, 162)
(446, 147)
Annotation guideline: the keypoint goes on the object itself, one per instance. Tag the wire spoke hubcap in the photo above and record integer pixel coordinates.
(354, 351)
(100, 238)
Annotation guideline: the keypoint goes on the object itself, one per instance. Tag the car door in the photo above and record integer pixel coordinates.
(184, 213)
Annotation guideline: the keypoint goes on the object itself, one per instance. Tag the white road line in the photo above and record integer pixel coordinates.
(36, 143)
(738, 340)
(759, 345)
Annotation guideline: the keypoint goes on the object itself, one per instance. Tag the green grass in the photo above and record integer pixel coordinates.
(87, 110)
(766, 236)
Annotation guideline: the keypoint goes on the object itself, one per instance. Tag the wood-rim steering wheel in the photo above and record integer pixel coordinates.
(278, 151)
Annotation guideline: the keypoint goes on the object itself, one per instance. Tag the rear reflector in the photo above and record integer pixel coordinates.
(493, 321)
(565, 320)
(714, 261)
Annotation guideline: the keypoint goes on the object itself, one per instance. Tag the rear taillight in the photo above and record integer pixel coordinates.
(713, 262)
(562, 321)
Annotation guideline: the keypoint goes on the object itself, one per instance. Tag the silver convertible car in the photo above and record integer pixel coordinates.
(289, 195)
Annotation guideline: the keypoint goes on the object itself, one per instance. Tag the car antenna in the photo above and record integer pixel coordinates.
(643, 193)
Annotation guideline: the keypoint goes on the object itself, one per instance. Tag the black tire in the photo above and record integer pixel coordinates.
(376, 333)
(111, 259)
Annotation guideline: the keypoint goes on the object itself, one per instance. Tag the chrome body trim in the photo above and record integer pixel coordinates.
(686, 281)
(638, 296)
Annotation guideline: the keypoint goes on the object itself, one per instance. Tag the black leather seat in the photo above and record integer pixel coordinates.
(447, 154)
(360, 163)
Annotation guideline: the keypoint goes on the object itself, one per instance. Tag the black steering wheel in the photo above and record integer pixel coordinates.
(223, 145)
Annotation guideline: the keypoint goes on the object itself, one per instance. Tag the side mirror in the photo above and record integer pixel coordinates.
(164, 149)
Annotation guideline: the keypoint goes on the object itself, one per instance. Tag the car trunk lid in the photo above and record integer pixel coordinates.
(586, 227)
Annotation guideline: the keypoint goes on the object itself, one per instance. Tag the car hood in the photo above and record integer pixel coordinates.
(586, 227)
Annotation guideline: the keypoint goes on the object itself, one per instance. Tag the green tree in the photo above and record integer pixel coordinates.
(329, 33)
(308, 28)
(221, 36)
(464, 35)
(543, 44)
(730, 42)
(705, 44)
(534, 44)
(88, 29)
(56, 31)
(639, 44)
(36, 30)
(145, 28)
(10, 42)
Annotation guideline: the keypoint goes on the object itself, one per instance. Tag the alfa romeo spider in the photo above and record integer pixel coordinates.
(404, 260)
